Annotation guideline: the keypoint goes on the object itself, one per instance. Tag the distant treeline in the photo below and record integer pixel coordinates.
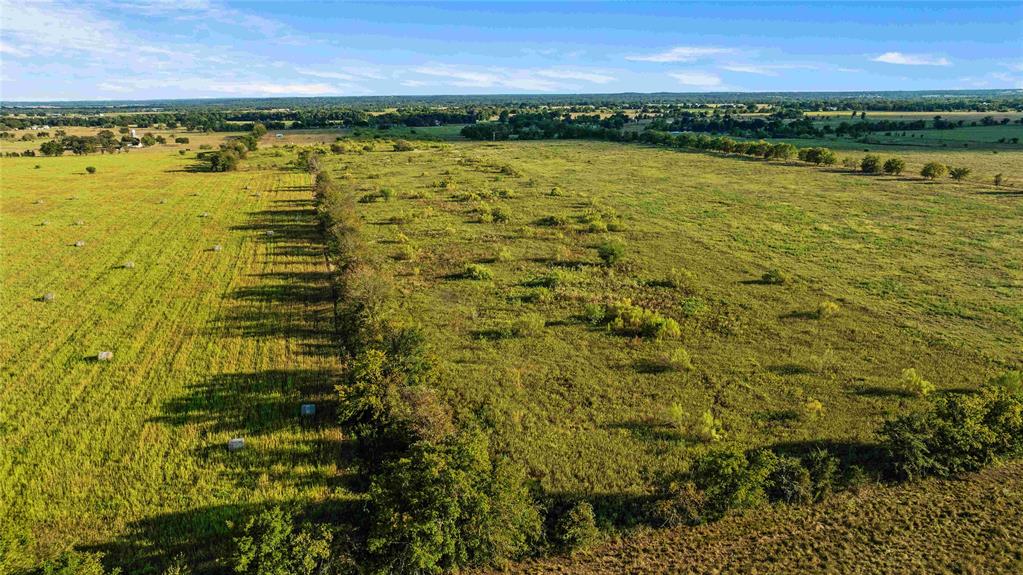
(905, 101)
(243, 121)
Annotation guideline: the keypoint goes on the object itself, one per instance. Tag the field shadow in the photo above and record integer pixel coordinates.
(201, 535)
(290, 302)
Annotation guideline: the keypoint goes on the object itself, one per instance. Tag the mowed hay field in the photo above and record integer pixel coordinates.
(924, 275)
(129, 456)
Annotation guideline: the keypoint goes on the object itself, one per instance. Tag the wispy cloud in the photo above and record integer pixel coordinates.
(523, 79)
(750, 69)
(701, 80)
(583, 76)
(912, 59)
(766, 69)
(681, 54)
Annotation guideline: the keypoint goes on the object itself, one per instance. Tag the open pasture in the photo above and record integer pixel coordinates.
(128, 456)
(494, 248)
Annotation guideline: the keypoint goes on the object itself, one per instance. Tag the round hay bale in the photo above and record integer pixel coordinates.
(48, 296)
(80, 244)
(37, 202)
(269, 232)
(128, 265)
(308, 409)
(218, 247)
(235, 443)
(105, 356)
(163, 201)
(204, 215)
(79, 223)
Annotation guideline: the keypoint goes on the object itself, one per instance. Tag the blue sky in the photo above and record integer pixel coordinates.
(208, 48)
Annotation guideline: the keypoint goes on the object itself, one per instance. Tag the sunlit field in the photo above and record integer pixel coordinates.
(214, 296)
(217, 330)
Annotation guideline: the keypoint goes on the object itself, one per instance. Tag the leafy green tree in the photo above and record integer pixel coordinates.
(933, 170)
(448, 505)
(52, 148)
(959, 174)
(730, 480)
(956, 434)
(270, 544)
(577, 529)
(870, 164)
(611, 252)
(894, 166)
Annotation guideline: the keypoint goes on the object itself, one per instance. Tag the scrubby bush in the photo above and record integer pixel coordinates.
(933, 170)
(956, 434)
(555, 220)
(611, 252)
(625, 318)
(894, 166)
(789, 481)
(775, 277)
(708, 428)
(812, 408)
(823, 468)
(577, 529)
(818, 156)
(271, 544)
(731, 480)
(387, 194)
(914, 383)
(75, 563)
(680, 503)
(678, 359)
(683, 280)
(477, 272)
(90, 169)
(403, 146)
(999, 179)
(959, 174)
(528, 324)
(503, 254)
(827, 309)
(870, 164)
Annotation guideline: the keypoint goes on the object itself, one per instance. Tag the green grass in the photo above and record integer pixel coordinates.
(918, 283)
(130, 456)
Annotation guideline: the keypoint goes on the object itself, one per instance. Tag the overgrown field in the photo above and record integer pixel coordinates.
(129, 456)
(495, 249)
(969, 526)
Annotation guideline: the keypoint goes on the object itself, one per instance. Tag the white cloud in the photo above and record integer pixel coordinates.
(525, 79)
(912, 59)
(751, 69)
(849, 70)
(697, 79)
(325, 74)
(680, 54)
(583, 76)
(274, 89)
(6, 48)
